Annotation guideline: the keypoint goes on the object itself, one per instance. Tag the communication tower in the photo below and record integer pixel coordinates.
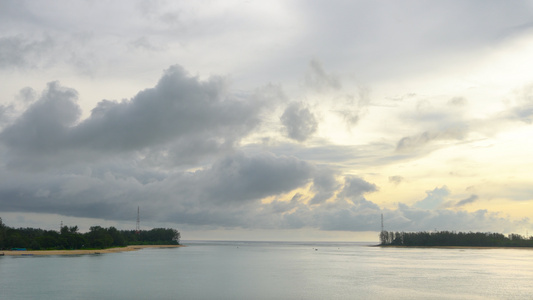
(382, 228)
(138, 225)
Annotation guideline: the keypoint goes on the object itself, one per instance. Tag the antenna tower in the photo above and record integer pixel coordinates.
(382, 228)
(138, 225)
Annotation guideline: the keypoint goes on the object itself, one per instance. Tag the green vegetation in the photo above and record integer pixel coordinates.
(70, 238)
(452, 238)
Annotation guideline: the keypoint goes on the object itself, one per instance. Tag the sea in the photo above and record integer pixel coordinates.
(273, 270)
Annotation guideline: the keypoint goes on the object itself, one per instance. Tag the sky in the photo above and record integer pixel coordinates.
(267, 120)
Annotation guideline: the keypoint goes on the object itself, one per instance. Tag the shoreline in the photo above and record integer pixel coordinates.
(454, 247)
(83, 252)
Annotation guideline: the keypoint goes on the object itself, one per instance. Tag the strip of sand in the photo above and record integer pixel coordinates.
(80, 252)
(454, 247)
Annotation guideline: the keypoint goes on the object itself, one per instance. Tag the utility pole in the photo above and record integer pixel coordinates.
(382, 237)
(382, 227)
(138, 225)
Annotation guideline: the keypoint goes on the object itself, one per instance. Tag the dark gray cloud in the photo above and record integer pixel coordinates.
(471, 199)
(227, 195)
(355, 187)
(300, 123)
(325, 184)
(179, 112)
(179, 106)
(107, 191)
(241, 178)
(44, 126)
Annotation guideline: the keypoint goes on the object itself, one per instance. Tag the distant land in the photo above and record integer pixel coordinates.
(68, 238)
(453, 239)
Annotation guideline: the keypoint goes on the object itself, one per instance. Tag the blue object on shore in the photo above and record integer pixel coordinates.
(18, 249)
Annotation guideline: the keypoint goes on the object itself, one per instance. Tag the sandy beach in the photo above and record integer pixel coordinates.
(453, 247)
(80, 252)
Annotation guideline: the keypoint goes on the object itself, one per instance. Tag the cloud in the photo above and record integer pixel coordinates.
(355, 187)
(401, 98)
(434, 198)
(22, 52)
(325, 185)
(419, 33)
(199, 151)
(354, 107)
(523, 106)
(233, 183)
(471, 199)
(241, 178)
(411, 218)
(318, 80)
(26, 95)
(396, 179)
(144, 44)
(362, 215)
(44, 126)
(410, 143)
(179, 106)
(300, 123)
(178, 112)
(457, 101)
(228, 194)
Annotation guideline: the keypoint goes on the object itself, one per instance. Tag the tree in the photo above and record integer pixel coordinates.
(177, 236)
(2, 234)
(118, 238)
(99, 237)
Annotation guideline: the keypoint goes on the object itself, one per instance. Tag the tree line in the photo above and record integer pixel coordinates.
(452, 238)
(96, 238)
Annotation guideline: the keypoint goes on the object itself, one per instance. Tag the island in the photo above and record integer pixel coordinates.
(453, 239)
(68, 240)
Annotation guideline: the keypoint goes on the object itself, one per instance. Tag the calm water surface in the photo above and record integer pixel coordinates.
(273, 270)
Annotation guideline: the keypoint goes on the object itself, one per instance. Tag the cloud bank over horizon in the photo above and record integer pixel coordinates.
(174, 149)
(280, 116)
